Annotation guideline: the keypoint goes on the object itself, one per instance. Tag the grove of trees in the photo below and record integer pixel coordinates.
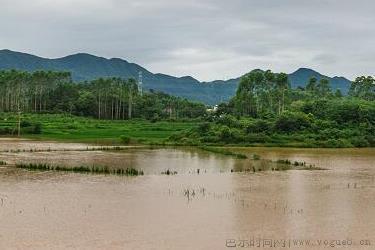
(103, 98)
(265, 110)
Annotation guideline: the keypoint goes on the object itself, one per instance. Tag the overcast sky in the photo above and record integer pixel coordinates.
(207, 39)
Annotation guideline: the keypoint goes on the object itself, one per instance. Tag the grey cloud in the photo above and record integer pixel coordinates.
(208, 39)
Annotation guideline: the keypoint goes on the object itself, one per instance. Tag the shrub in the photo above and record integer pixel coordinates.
(225, 134)
(25, 124)
(37, 128)
(125, 139)
(292, 121)
(155, 118)
(256, 138)
(229, 120)
(204, 128)
(258, 126)
(337, 143)
(360, 142)
(210, 139)
(5, 131)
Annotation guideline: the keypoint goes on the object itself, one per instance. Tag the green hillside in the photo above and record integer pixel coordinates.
(88, 67)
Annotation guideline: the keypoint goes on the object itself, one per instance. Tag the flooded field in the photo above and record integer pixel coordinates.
(213, 209)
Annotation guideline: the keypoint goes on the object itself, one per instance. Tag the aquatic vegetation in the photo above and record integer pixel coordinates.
(279, 165)
(2, 163)
(101, 148)
(223, 152)
(125, 139)
(289, 162)
(169, 172)
(81, 169)
(297, 165)
(256, 157)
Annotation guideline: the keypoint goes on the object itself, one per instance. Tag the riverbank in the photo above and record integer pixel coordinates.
(67, 128)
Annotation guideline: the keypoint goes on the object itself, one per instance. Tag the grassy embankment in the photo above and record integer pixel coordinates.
(79, 129)
(105, 132)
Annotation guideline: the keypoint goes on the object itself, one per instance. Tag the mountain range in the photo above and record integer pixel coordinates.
(87, 67)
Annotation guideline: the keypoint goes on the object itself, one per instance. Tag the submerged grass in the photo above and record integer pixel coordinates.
(169, 172)
(80, 169)
(223, 152)
(297, 165)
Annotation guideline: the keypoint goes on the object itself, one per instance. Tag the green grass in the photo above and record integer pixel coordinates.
(80, 169)
(73, 128)
(223, 152)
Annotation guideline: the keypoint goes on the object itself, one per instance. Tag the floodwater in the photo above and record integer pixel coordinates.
(215, 209)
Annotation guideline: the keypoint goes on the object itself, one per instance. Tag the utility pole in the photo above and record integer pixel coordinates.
(140, 83)
(19, 122)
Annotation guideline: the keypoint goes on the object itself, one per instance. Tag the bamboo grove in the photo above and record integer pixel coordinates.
(103, 98)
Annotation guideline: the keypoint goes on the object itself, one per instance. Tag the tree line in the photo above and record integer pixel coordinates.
(104, 98)
(264, 93)
(266, 110)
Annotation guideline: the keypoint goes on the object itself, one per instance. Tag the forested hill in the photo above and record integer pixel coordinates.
(88, 67)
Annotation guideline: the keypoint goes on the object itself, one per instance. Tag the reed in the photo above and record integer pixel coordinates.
(289, 162)
(81, 169)
(169, 172)
(298, 165)
(2, 163)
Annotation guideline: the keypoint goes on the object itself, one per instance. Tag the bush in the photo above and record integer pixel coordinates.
(204, 128)
(5, 131)
(225, 134)
(359, 142)
(37, 128)
(125, 139)
(155, 118)
(25, 124)
(210, 139)
(257, 138)
(339, 143)
(230, 121)
(292, 121)
(258, 126)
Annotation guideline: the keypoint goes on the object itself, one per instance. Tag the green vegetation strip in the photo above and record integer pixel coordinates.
(64, 127)
(223, 152)
(109, 148)
(81, 169)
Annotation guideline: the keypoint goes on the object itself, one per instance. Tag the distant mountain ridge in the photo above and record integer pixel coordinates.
(300, 77)
(87, 67)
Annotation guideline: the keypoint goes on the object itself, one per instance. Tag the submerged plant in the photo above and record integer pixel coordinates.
(223, 152)
(81, 169)
(256, 157)
(169, 172)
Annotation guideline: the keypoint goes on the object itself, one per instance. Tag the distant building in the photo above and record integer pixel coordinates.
(213, 109)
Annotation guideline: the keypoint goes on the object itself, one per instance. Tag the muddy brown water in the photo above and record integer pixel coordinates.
(215, 209)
